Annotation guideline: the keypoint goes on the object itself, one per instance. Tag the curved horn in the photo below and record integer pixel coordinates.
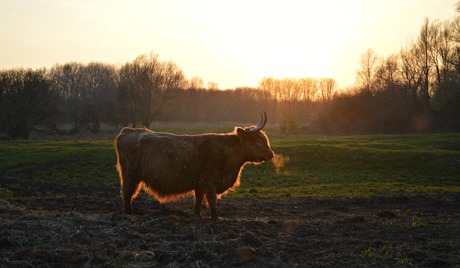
(263, 121)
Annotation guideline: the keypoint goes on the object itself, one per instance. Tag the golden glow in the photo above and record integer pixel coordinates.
(231, 43)
(283, 39)
(279, 161)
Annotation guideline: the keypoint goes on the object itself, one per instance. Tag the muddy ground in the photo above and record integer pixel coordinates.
(85, 227)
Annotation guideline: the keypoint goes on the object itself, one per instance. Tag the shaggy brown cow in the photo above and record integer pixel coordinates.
(171, 166)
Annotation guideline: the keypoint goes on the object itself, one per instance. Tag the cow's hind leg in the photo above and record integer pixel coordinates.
(199, 195)
(211, 197)
(130, 186)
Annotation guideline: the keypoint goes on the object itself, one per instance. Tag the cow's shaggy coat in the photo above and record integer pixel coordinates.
(171, 166)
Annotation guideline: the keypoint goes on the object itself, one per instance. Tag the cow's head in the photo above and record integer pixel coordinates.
(255, 143)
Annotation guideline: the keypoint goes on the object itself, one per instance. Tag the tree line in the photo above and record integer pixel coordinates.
(417, 89)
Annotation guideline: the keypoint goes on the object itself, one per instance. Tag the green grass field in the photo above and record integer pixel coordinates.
(317, 166)
(350, 166)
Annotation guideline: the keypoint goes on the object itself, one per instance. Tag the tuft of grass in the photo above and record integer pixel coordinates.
(383, 252)
(404, 261)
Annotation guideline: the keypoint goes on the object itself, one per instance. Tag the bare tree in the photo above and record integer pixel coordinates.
(85, 92)
(100, 89)
(411, 76)
(454, 27)
(309, 87)
(424, 47)
(270, 85)
(368, 62)
(326, 87)
(212, 86)
(195, 83)
(287, 89)
(26, 101)
(68, 82)
(387, 73)
(145, 85)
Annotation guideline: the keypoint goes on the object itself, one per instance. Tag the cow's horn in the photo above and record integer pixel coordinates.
(263, 121)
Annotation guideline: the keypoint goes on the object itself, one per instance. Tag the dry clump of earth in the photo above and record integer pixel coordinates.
(86, 227)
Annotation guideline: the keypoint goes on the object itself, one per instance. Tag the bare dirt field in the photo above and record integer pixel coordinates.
(86, 227)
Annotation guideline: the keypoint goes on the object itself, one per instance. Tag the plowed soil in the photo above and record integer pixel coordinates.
(85, 227)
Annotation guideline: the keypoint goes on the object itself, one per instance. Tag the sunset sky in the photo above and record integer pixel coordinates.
(231, 43)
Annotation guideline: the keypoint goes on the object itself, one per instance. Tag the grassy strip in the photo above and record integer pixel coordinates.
(345, 166)
(318, 166)
(60, 162)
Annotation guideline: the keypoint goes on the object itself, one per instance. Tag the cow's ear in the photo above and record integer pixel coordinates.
(240, 131)
(242, 134)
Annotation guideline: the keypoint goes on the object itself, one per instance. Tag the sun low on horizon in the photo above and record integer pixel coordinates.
(231, 43)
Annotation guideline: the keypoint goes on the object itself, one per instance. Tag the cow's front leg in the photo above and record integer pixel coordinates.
(199, 194)
(211, 197)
